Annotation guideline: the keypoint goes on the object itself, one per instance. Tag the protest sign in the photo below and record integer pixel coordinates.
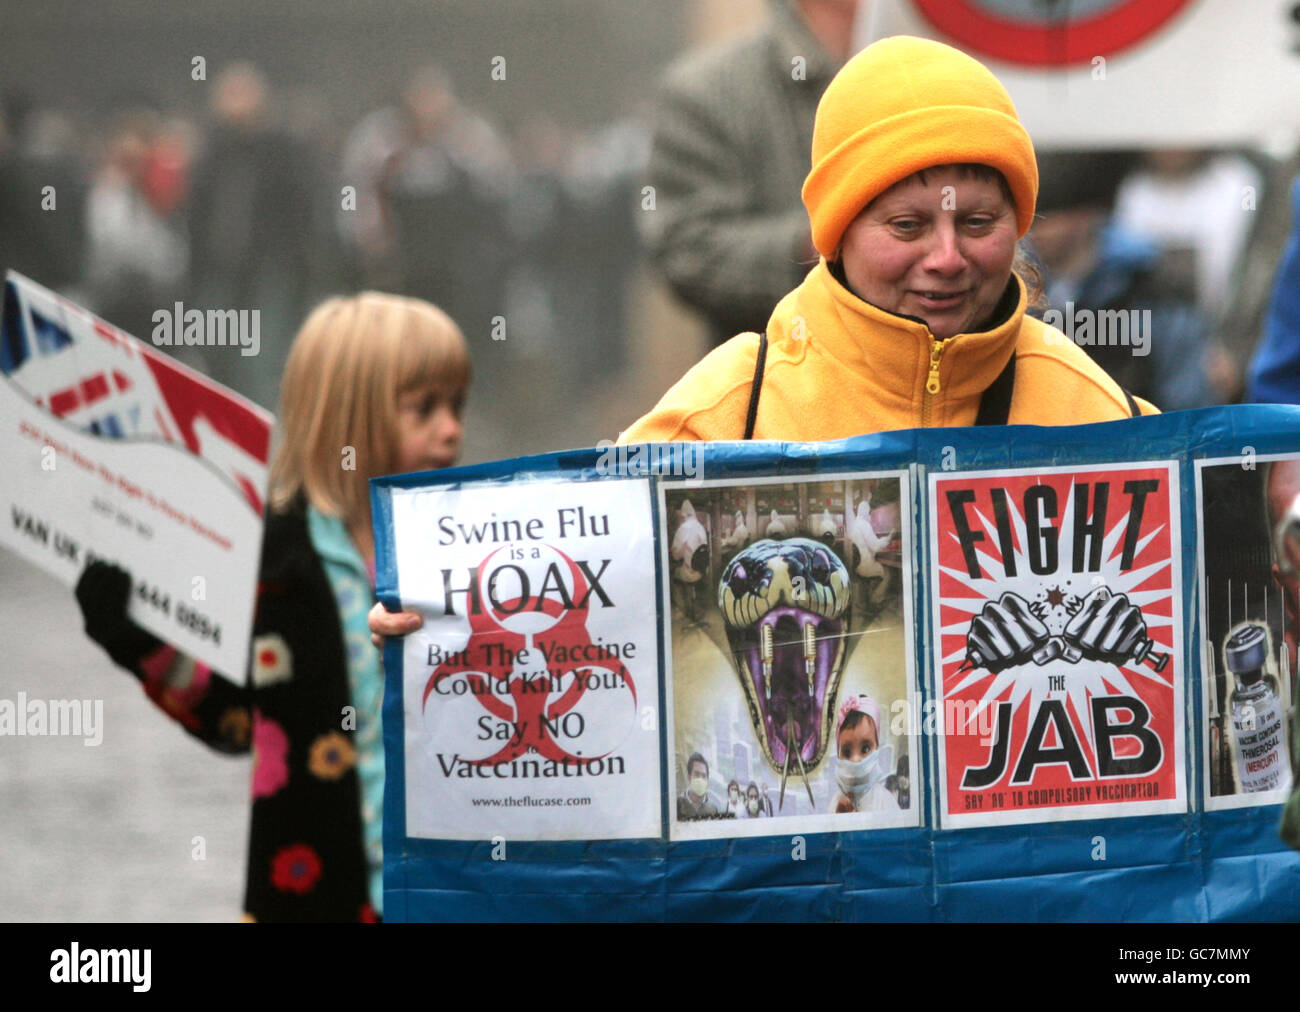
(787, 614)
(939, 674)
(115, 451)
(1251, 511)
(531, 693)
(1057, 639)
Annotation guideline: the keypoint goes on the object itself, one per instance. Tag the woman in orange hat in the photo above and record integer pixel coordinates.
(923, 180)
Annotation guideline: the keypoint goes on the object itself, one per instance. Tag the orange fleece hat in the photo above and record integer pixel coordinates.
(905, 104)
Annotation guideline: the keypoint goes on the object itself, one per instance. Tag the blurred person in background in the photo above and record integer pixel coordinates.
(14, 209)
(312, 124)
(1198, 206)
(42, 232)
(541, 274)
(732, 133)
(1092, 264)
(137, 255)
(573, 224)
(606, 174)
(251, 215)
(1275, 370)
(432, 184)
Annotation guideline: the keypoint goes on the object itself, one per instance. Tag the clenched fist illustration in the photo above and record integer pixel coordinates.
(1004, 634)
(1107, 628)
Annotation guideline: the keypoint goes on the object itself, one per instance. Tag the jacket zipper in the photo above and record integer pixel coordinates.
(932, 381)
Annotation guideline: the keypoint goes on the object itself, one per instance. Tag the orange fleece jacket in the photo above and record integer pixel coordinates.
(838, 367)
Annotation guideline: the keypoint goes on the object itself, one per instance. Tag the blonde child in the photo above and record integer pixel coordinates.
(374, 384)
(861, 764)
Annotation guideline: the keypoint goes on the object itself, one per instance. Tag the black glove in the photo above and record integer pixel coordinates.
(103, 592)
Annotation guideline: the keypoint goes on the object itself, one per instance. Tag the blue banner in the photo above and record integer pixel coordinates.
(1015, 673)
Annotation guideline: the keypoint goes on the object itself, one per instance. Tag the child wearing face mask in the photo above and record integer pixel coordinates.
(373, 385)
(861, 764)
(735, 803)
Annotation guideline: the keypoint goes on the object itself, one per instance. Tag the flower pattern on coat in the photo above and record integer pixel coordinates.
(307, 847)
(272, 661)
(331, 756)
(270, 756)
(295, 869)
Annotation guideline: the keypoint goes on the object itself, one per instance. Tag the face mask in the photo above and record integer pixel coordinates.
(855, 779)
(753, 806)
(699, 786)
(735, 798)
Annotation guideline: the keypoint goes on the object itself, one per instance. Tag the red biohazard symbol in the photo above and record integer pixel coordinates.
(985, 29)
(529, 694)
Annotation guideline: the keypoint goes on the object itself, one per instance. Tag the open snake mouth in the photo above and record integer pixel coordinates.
(785, 605)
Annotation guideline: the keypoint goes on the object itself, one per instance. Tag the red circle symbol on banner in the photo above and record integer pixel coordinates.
(984, 30)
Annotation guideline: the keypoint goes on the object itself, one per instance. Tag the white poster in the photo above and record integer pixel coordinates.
(112, 450)
(532, 690)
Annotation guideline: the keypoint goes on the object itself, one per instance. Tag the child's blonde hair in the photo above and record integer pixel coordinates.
(350, 363)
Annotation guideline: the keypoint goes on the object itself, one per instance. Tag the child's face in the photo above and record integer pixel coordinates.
(858, 742)
(429, 428)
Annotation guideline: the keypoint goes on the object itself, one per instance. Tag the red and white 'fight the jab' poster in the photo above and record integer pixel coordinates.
(1058, 643)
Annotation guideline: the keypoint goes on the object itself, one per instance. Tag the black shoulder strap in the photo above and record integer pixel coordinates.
(1133, 408)
(757, 386)
(995, 405)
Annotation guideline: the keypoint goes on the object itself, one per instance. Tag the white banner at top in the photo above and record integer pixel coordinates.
(1125, 73)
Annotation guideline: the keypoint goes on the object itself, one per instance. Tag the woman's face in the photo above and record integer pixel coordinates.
(939, 250)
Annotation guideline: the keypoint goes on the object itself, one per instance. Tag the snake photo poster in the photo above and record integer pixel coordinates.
(788, 628)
